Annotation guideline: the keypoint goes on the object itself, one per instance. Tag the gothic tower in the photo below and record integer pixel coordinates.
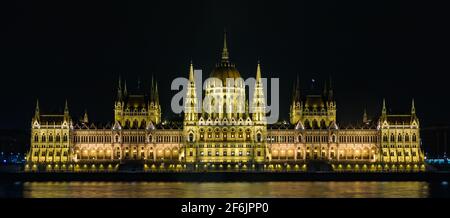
(132, 110)
(296, 105)
(258, 102)
(190, 108)
(154, 108)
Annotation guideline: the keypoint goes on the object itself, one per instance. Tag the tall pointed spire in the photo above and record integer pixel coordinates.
(330, 91)
(125, 91)
(365, 119)
(156, 94)
(413, 107)
(258, 72)
(191, 72)
(85, 117)
(297, 91)
(66, 112)
(258, 101)
(119, 89)
(36, 110)
(154, 107)
(152, 90)
(294, 92)
(295, 110)
(190, 104)
(383, 111)
(325, 89)
(225, 54)
(66, 108)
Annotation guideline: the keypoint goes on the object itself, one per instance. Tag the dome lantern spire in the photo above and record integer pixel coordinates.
(225, 54)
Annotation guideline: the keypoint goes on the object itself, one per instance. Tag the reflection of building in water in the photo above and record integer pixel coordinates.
(234, 137)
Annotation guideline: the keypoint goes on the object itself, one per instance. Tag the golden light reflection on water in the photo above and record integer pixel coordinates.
(225, 189)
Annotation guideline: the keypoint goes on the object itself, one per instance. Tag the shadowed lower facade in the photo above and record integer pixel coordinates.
(238, 139)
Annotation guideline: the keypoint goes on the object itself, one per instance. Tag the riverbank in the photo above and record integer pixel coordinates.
(225, 176)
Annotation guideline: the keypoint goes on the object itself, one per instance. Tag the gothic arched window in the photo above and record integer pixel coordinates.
(36, 138)
(65, 138)
(191, 137)
(307, 124)
(399, 138)
(414, 138)
(322, 124)
(258, 137)
(43, 138)
(315, 124)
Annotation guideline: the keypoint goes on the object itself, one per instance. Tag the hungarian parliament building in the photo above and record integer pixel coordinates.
(224, 140)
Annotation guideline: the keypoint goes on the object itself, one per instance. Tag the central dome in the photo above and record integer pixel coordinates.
(225, 69)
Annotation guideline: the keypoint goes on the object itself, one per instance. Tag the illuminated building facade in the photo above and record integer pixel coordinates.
(230, 138)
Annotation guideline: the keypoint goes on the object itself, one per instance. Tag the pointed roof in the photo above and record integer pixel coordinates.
(413, 107)
(383, 111)
(299, 125)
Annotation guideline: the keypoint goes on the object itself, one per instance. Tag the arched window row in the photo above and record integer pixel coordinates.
(50, 138)
(400, 138)
(92, 139)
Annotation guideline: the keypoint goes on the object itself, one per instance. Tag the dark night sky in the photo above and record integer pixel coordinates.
(76, 50)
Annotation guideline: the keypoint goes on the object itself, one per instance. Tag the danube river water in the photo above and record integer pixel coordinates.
(224, 190)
